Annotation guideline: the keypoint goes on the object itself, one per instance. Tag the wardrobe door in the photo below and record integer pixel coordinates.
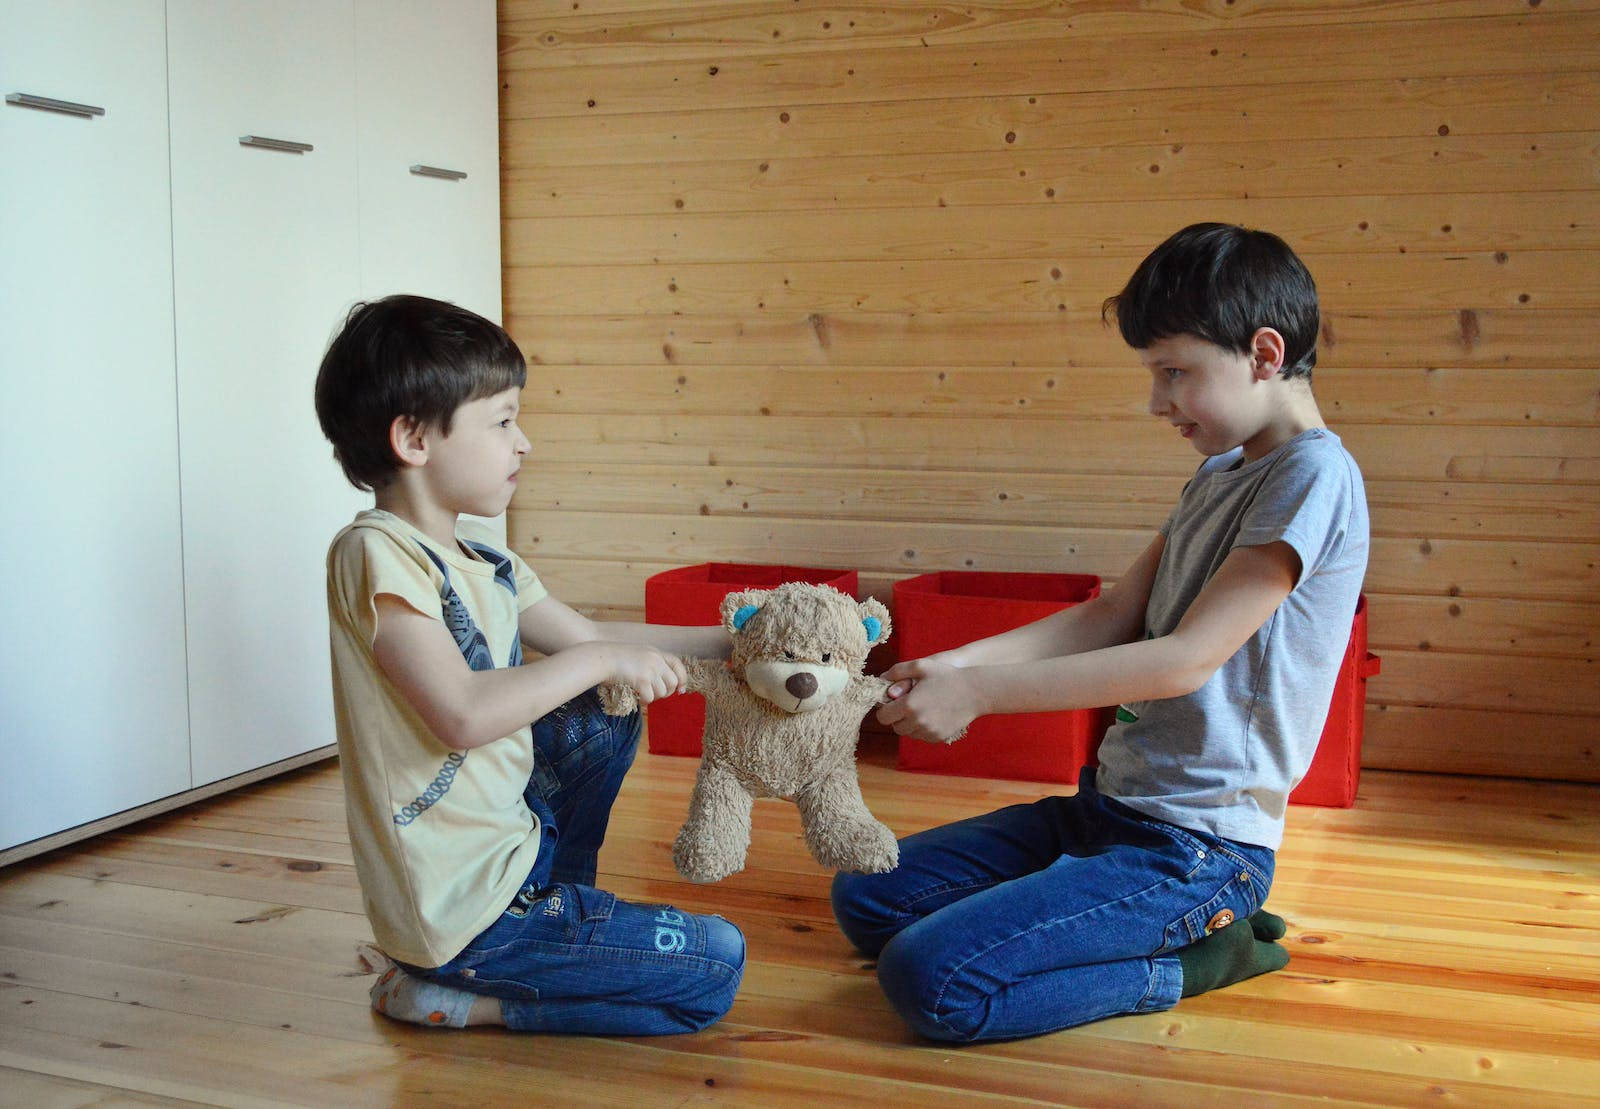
(92, 710)
(428, 117)
(428, 123)
(265, 267)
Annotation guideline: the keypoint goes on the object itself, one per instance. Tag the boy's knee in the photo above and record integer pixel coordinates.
(859, 914)
(724, 944)
(927, 1000)
(723, 956)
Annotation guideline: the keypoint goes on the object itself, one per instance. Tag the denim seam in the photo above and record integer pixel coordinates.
(1149, 984)
(1256, 872)
(907, 908)
(618, 956)
(1156, 975)
(720, 974)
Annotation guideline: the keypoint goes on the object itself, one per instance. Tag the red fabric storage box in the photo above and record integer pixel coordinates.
(692, 596)
(1336, 768)
(935, 612)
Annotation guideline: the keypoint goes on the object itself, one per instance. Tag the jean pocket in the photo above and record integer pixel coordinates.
(494, 963)
(593, 906)
(564, 913)
(497, 977)
(571, 743)
(1236, 895)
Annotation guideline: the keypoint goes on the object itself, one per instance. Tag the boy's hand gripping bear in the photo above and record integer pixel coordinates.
(782, 719)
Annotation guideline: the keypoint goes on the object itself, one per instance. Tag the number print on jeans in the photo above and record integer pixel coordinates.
(670, 937)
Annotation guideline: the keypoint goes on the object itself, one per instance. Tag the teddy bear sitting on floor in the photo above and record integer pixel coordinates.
(782, 719)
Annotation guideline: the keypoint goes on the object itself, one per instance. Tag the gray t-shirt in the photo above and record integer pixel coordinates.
(1223, 758)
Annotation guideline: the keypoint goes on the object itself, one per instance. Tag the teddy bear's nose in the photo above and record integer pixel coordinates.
(801, 685)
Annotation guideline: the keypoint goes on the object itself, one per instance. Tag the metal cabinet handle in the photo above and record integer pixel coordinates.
(285, 145)
(435, 171)
(45, 104)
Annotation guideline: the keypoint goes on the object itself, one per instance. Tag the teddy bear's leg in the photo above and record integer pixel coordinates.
(840, 831)
(712, 843)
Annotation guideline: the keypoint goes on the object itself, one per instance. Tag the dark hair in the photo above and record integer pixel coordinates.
(1221, 283)
(406, 356)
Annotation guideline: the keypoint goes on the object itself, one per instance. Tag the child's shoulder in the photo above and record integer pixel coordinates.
(1320, 453)
(1314, 452)
(377, 543)
(1318, 443)
(371, 529)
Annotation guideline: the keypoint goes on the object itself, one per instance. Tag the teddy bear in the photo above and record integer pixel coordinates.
(783, 715)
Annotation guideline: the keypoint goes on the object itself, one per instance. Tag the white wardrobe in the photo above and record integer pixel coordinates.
(198, 190)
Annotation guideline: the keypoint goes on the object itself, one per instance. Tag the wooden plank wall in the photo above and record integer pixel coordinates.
(819, 283)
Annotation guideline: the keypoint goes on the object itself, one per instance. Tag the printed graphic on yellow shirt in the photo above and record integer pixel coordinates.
(475, 649)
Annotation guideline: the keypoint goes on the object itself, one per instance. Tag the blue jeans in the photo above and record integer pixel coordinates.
(1042, 916)
(567, 957)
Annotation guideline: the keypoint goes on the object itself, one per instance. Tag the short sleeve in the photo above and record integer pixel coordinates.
(1304, 501)
(530, 590)
(366, 562)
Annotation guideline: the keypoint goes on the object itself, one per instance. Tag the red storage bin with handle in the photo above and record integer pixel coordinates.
(1336, 768)
(935, 612)
(692, 596)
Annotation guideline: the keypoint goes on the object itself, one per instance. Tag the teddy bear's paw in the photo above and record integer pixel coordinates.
(700, 859)
(880, 851)
(868, 847)
(617, 699)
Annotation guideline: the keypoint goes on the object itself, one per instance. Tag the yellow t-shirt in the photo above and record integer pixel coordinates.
(442, 838)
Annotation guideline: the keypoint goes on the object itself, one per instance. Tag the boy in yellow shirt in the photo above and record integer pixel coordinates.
(476, 832)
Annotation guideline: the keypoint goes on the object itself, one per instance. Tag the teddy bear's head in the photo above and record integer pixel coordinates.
(799, 644)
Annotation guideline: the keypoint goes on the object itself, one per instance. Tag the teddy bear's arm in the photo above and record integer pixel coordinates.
(705, 675)
(867, 691)
(702, 675)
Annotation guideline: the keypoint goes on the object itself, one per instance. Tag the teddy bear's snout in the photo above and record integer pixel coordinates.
(801, 685)
(795, 686)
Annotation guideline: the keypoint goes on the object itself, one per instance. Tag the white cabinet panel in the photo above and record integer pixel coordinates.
(168, 496)
(265, 261)
(427, 95)
(92, 705)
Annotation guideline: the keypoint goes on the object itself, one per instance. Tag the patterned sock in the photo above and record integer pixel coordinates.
(405, 997)
(1267, 926)
(1228, 956)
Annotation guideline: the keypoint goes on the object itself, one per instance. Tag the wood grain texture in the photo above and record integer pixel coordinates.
(1391, 107)
(1563, 161)
(1055, 229)
(1052, 59)
(1412, 396)
(821, 283)
(1443, 933)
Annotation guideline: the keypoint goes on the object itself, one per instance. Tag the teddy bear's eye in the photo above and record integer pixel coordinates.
(827, 656)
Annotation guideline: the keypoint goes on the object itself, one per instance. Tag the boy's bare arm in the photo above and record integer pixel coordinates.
(551, 626)
(1239, 598)
(1116, 616)
(468, 708)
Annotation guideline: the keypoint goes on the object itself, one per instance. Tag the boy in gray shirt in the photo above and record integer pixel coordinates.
(1222, 641)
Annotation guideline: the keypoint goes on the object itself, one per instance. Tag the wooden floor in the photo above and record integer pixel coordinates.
(1445, 937)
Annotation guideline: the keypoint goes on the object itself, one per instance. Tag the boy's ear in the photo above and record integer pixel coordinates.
(1266, 353)
(408, 440)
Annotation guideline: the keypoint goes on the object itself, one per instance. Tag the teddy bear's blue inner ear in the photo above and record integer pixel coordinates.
(874, 627)
(742, 617)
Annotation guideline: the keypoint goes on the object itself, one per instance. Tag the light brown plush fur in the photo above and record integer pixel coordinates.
(785, 642)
